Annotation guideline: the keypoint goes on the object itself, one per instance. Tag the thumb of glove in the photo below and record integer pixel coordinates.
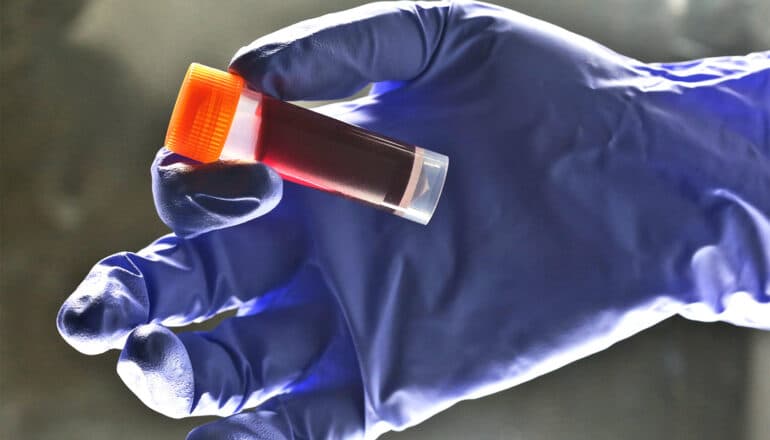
(194, 198)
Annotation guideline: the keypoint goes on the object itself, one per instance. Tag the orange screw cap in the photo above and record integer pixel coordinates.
(203, 113)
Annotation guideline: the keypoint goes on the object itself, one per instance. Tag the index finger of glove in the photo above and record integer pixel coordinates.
(335, 55)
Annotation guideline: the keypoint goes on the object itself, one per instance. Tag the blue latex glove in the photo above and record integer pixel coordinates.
(589, 197)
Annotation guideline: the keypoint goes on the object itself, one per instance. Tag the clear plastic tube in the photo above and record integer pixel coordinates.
(304, 146)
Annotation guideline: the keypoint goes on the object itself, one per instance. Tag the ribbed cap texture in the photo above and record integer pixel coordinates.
(203, 113)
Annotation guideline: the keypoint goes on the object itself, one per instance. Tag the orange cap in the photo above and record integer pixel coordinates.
(203, 113)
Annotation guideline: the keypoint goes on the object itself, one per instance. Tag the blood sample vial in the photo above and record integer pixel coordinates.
(217, 118)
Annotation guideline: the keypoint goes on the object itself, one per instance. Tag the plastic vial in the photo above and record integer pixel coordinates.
(217, 117)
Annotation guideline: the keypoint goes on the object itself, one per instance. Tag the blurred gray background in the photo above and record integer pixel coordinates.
(86, 90)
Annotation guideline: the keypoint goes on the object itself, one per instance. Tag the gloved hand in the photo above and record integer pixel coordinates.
(589, 196)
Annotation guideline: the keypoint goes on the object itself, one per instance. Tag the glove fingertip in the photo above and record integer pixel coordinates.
(261, 69)
(104, 308)
(155, 366)
(292, 71)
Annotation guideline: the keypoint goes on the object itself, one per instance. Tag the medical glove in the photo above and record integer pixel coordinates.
(589, 196)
